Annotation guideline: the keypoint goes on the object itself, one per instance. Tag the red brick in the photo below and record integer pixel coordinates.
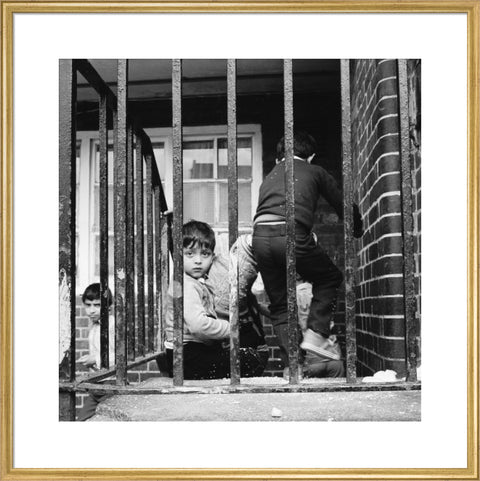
(133, 376)
(388, 163)
(389, 204)
(384, 146)
(81, 344)
(387, 87)
(81, 322)
(147, 375)
(394, 327)
(392, 348)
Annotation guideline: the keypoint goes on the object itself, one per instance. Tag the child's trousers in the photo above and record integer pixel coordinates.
(202, 361)
(312, 263)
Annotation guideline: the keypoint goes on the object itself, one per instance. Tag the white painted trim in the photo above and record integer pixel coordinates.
(86, 263)
(83, 221)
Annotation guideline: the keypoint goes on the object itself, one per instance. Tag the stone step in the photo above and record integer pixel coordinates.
(383, 405)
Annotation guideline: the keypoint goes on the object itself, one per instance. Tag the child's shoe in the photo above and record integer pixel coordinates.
(320, 346)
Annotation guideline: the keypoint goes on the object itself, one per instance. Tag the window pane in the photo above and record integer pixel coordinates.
(159, 152)
(96, 207)
(77, 201)
(97, 256)
(244, 202)
(97, 163)
(77, 179)
(198, 158)
(77, 160)
(199, 201)
(244, 158)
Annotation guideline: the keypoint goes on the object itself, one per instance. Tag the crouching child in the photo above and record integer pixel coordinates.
(204, 334)
(92, 303)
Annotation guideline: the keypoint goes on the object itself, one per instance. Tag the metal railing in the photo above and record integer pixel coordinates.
(136, 314)
(136, 319)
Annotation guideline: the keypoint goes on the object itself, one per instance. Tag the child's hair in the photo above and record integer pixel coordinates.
(304, 145)
(198, 233)
(92, 293)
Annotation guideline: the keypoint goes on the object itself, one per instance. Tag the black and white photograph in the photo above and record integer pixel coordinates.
(247, 230)
(239, 240)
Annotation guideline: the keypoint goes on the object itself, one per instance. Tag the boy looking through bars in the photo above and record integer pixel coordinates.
(91, 301)
(204, 334)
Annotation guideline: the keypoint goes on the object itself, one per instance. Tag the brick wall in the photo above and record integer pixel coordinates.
(81, 345)
(377, 184)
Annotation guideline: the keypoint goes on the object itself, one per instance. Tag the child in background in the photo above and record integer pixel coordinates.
(204, 354)
(92, 303)
(223, 279)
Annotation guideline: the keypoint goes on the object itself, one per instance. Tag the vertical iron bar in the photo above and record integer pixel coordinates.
(177, 223)
(233, 217)
(67, 214)
(407, 220)
(115, 152)
(103, 221)
(350, 328)
(120, 171)
(140, 252)
(158, 260)
(113, 175)
(290, 223)
(165, 274)
(150, 296)
(130, 249)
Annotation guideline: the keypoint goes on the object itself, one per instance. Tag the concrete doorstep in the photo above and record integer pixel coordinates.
(214, 404)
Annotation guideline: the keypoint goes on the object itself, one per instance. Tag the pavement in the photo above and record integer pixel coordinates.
(319, 400)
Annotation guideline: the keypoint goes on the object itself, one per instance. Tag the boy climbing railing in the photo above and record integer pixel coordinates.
(146, 232)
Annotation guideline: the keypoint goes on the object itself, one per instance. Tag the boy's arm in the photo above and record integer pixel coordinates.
(334, 197)
(197, 320)
(88, 359)
(357, 222)
(92, 359)
(330, 191)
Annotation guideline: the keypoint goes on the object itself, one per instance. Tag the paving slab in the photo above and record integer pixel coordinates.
(217, 405)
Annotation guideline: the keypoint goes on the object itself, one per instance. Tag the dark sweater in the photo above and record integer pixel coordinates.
(311, 182)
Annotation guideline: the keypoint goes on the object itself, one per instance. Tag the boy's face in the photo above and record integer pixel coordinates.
(196, 261)
(93, 309)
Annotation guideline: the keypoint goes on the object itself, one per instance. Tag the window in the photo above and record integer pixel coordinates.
(205, 171)
(205, 174)
(159, 151)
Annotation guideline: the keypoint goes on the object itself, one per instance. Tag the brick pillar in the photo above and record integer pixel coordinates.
(376, 166)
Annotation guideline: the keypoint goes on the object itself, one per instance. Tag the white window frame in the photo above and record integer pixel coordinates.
(86, 179)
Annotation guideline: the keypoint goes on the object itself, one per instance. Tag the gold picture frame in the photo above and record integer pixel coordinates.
(8, 8)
